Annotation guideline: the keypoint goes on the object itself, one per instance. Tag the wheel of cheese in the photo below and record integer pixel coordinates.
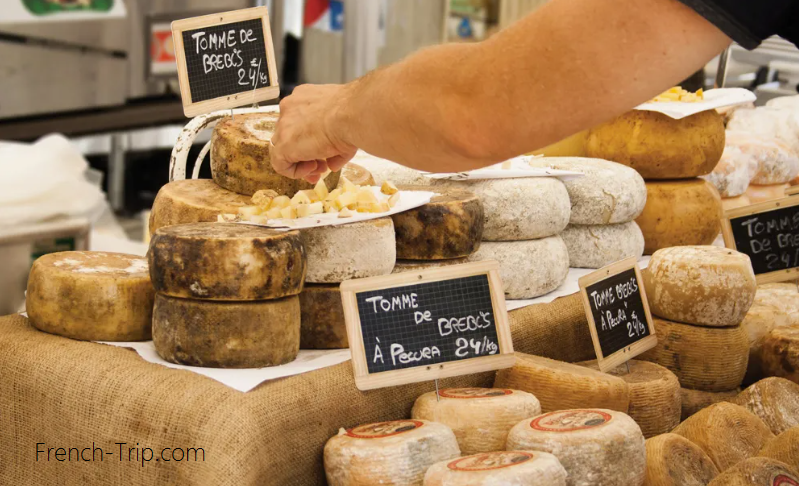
(384, 170)
(596, 447)
(416, 265)
(703, 358)
(559, 385)
(598, 246)
(702, 285)
(506, 468)
(677, 213)
(323, 325)
(347, 251)
(226, 261)
(732, 174)
(673, 460)
(758, 471)
(735, 202)
(193, 201)
(758, 194)
(791, 102)
(396, 452)
(241, 161)
(91, 296)
(226, 334)
(777, 163)
(608, 193)
(726, 432)
(768, 122)
(775, 401)
(784, 298)
(696, 400)
(784, 448)
(449, 226)
(357, 175)
(658, 146)
(480, 417)
(780, 353)
(759, 321)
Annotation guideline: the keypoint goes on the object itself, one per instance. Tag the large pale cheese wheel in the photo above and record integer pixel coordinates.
(597, 447)
(735, 202)
(726, 432)
(703, 358)
(673, 460)
(686, 212)
(758, 471)
(226, 261)
(758, 194)
(780, 353)
(397, 452)
(695, 400)
(449, 226)
(775, 401)
(506, 468)
(386, 171)
(733, 173)
(193, 201)
(785, 448)
(480, 417)
(226, 334)
(784, 298)
(598, 246)
(357, 175)
(658, 146)
(608, 193)
(768, 122)
(703, 285)
(92, 296)
(777, 163)
(559, 385)
(355, 250)
(322, 312)
(759, 321)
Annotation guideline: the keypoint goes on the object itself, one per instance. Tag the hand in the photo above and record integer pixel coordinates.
(306, 143)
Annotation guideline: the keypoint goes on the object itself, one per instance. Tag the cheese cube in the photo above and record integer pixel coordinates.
(332, 195)
(247, 211)
(280, 202)
(259, 219)
(263, 198)
(345, 213)
(321, 190)
(393, 200)
(300, 198)
(274, 213)
(288, 213)
(379, 207)
(345, 200)
(346, 184)
(311, 194)
(228, 218)
(306, 210)
(388, 188)
(366, 196)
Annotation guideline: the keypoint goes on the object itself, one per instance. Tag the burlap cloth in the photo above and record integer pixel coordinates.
(66, 393)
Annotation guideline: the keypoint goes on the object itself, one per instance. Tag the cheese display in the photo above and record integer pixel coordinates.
(785, 447)
(357, 175)
(601, 245)
(695, 400)
(780, 164)
(732, 174)
(759, 321)
(780, 353)
(395, 452)
(784, 298)
(226, 334)
(758, 471)
(768, 122)
(775, 401)
(702, 285)
(213, 261)
(735, 202)
(91, 296)
(384, 170)
(322, 318)
(597, 447)
(673, 460)
(759, 194)
(506, 468)
(480, 417)
(193, 201)
(559, 385)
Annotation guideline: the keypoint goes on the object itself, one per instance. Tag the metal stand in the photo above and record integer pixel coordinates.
(438, 397)
(721, 72)
(116, 172)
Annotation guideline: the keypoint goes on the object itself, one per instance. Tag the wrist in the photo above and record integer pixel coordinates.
(339, 121)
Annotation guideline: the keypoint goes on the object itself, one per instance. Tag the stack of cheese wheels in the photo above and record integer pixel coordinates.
(673, 460)
(227, 294)
(506, 468)
(92, 296)
(700, 295)
(758, 471)
(775, 401)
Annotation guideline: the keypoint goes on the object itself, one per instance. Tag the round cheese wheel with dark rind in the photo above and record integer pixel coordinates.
(780, 353)
(91, 296)
(695, 400)
(601, 245)
(758, 471)
(417, 265)
(226, 261)
(323, 325)
(226, 334)
(784, 448)
(775, 400)
(357, 175)
(449, 226)
(506, 468)
(193, 201)
(673, 460)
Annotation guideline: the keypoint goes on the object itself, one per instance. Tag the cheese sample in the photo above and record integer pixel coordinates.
(733, 173)
(735, 202)
(726, 432)
(480, 417)
(225, 261)
(758, 471)
(598, 246)
(347, 251)
(226, 334)
(91, 296)
(784, 448)
(384, 170)
(695, 400)
(193, 201)
(506, 468)
(780, 353)
(597, 447)
(396, 452)
(702, 285)
(784, 298)
(323, 325)
(775, 401)
(759, 321)
(758, 194)
(559, 385)
(673, 460)
(357, 175)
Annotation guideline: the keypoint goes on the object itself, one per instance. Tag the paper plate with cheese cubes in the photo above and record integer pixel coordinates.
(678, 103)
(510, 169)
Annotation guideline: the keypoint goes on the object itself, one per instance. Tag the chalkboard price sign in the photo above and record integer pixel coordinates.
(618, 313)
(425, 325)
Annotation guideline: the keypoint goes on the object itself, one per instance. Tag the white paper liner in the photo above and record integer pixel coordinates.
(519, 167)
(714, 98)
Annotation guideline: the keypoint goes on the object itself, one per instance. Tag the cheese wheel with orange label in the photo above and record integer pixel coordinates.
(758, 471)
(506, 468)
(673, 460)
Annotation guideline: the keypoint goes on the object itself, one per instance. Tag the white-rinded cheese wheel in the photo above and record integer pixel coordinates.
(396, 452)
(791, 102)
(384, 170)
(780, 353)
(559, 385)
(347, 251)
(673, 460)
(775, 401)
(608, 193)
(759, 321)
(776, 160)
(703, 285)
(695, 400)
(735, 202)
(323, 325)
(92, 296)
(759, 194)
(758, 471)
(768, 122)
(784, 448)
(226, 334)
(597, 246)
(728, 433)
(226, 261)
(597, 447)
(193, 201)
(480, 417)
(784, 298)
(506, 468)
(733, 173)
(357, 175)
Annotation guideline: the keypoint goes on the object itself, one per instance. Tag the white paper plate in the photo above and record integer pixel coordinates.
(519, 167)
(714, 98)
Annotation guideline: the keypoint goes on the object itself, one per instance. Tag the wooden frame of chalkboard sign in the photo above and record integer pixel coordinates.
(764, 275)
(235, 74)
(611, 352)
(443, 315)
(792, 191)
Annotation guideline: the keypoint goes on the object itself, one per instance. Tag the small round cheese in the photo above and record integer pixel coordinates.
(733, 173)
(780, 353)
(507, 468)
(323, 325)
(696, 400)
(735, 202)
(601, 245)
(775, 401)
(357, 175)
(193, 201)
(758, 471)
(785, 447)
(758, 194)
(673, 460)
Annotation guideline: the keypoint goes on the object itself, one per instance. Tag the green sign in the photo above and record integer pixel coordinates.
(44, 7)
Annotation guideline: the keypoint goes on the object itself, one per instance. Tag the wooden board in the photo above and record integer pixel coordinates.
(792, 191)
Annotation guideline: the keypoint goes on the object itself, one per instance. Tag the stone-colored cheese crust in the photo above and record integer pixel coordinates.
(784, 298)
(226, 261)
(780, 353)
(601, 245)
(733, 173)
(193, 201)
(775, 401)
(559, 385)
(416, 265)
(759, 321)
(757, 471)
(678, 213)
(398, 452)
(702, 285)
(91, 296)
(507, 468)
(354, 250)
(696, 400)
(480, 417)
(673, 460)
(357, 175)
(226, 334)
(775, 160)
(759, 194)
(784, 448)
(323, 325)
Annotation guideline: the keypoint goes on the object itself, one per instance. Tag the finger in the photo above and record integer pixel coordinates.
(303, 169)
(339, 161)
(321, 167)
